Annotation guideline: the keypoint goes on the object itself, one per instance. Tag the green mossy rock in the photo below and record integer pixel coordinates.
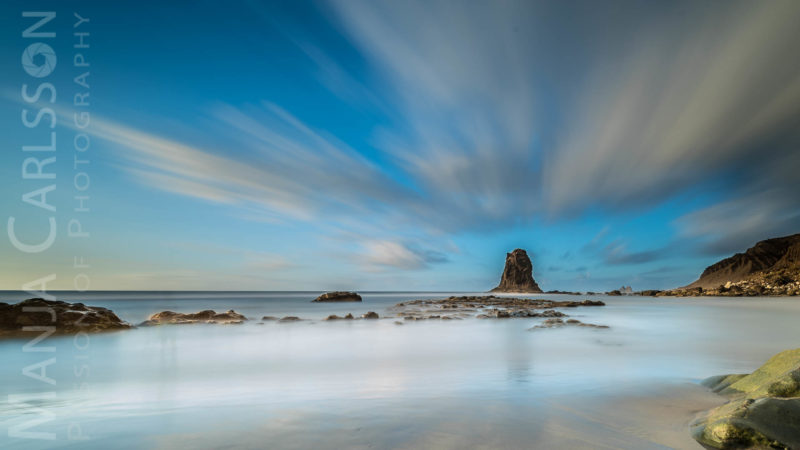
(781, 374)
(764, 411)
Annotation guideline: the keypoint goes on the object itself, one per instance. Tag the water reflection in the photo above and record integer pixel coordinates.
(443, 384)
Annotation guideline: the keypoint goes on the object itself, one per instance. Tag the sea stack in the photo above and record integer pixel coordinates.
(518, 274)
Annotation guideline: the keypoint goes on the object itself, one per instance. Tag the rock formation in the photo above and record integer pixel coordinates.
(773, 256)
(338, 296)
(66, 318)
(764, 410)
(771, 267)
(207, 316)
(517, 274)
(484, 307)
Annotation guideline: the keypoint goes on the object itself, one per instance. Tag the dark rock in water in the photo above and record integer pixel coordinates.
(563, 292)
(764, 410)
(289, 319)
(517, 274)
(349, 317)
(269, 318)
(370, 315)
(614, 292)
(649, 293)
(333, 317)
(338, 296)
(65, 318)
(206, 316)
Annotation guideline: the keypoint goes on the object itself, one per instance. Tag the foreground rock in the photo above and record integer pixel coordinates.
(764, 411)
(207, 316)
(487, 306)
(517, 274)
(338, 296)
(771, 267)
(66, 318)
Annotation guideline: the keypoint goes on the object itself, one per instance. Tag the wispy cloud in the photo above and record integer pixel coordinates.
(399, 256)
(617, 112)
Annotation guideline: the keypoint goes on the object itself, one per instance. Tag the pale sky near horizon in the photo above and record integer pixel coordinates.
(387, 145)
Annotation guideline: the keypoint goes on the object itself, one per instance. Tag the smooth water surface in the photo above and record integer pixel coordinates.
(375, 384)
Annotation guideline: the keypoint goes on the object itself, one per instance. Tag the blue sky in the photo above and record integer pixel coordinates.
(408, 145)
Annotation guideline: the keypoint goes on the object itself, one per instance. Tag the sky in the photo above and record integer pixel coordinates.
(387, 145)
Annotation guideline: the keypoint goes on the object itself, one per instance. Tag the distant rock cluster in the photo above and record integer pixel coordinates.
(624, 290)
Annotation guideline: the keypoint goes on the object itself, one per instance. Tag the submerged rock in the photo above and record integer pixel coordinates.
(65, 318)
(764, 410)
(484, 307)
(558, 323)
(338, 296)
(229, 317)
(370, 315)
(517, 274)
(289, 319)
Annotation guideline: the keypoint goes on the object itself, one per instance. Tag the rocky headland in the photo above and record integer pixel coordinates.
(63, 317)
(769, 268)
(338, 296)
(517, 274)
(763, 411)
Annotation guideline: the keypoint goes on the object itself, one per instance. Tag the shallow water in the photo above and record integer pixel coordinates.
(374, 384)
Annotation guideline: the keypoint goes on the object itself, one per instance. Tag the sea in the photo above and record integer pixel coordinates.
(376, 384)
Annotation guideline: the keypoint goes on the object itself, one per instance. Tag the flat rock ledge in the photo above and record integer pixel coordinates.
(229, 317)
(484, 307)
(338, 296)
(66, 318)
(763, 411)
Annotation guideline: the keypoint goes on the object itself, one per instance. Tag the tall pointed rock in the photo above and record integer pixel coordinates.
(518, 274)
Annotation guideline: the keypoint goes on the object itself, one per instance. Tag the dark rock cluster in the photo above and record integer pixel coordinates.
(338, 296)
(206, 316)
(484, 307)
(66, 318)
